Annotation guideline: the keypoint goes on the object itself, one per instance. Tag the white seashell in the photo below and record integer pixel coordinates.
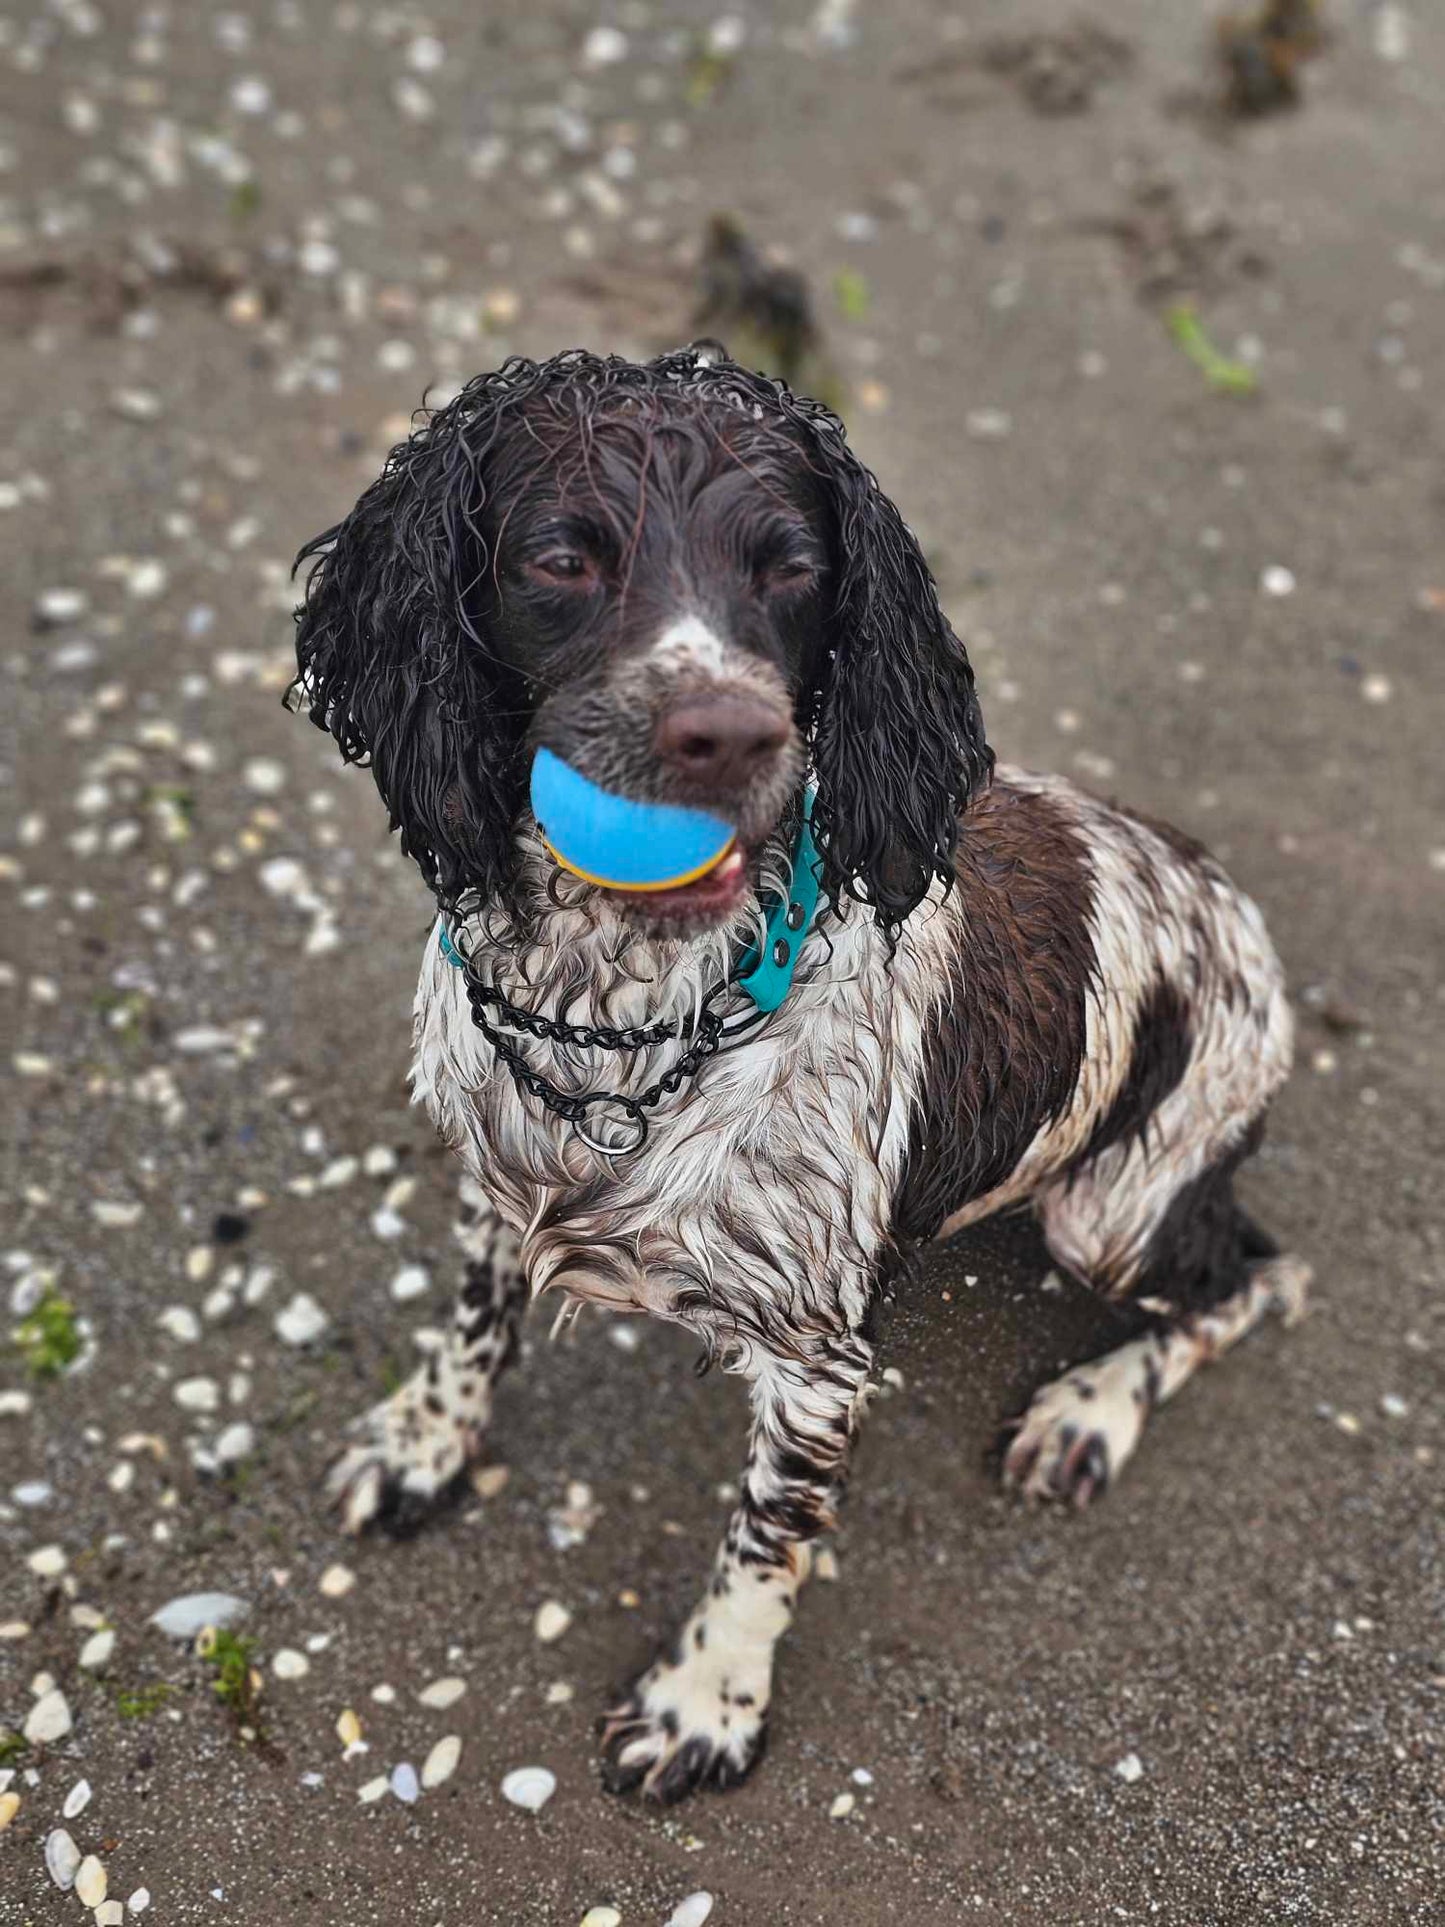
(9, 1807)
(601, 1917)
(552, 1621)
(691, 1912)
(842, 1806)
(77, 1800)
(47, 1562)
(109, 1913)
(404, 1783)
(235, 1443)
(410, 1282)
(372, 1791)
(181, 1323)
(302, 1321)
(62, 1858)
(442, 1693)
(183, 1617)
(197, 1394)
(529, 1787)
(441, 1762)
(337, 1581)
(139, 1900)
(90, 1881)
(49, 1719)
(289, 1664)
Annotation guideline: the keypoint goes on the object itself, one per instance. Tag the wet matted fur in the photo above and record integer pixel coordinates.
(1014, 995)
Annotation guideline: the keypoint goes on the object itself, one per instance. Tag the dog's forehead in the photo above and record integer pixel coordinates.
(679, 447)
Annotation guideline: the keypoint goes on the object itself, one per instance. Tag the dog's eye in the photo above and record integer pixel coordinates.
(563, 565)
(790, 573)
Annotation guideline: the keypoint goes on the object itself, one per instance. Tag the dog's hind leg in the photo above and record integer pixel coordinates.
(1199, 1269)
(698, 1716)
(409, 1450)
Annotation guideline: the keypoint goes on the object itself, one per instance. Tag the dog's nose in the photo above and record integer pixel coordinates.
(720, 741)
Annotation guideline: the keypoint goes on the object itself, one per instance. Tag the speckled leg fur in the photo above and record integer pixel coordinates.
(411, 1448)
(1079, 1430)
(698, 1716)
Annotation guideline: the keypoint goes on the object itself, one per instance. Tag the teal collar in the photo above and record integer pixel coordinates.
(765, 971)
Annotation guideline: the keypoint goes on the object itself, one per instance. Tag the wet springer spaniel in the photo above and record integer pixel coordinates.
(725, 1103)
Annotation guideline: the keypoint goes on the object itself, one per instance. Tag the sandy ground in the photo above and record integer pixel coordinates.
(233, 250)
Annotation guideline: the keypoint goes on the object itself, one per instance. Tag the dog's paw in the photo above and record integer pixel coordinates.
(684, 1727)
(405, 1461)
(1078, 1432)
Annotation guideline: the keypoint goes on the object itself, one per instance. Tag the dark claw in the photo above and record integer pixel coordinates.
(1061, 1476)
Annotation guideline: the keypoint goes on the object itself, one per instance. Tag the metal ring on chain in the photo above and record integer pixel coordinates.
(573, 1108)
(632, 1118)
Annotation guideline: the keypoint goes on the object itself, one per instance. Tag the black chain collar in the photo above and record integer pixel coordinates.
(629, 1113)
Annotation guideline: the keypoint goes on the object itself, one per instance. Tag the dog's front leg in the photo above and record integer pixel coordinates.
(410, 1451)
(698, 1716)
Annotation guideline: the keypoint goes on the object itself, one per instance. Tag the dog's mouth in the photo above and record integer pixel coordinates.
(703, 900)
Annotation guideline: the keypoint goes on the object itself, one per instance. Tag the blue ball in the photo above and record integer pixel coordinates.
(619, 843)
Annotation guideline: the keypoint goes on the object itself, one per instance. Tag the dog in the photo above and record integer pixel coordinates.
(679, 578)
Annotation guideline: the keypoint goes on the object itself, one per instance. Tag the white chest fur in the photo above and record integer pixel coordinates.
(761, 1198)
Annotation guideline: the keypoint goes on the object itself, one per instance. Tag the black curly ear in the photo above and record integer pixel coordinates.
(898, 740)
(392, 658)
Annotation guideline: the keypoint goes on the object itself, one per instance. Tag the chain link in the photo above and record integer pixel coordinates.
(574, 1107)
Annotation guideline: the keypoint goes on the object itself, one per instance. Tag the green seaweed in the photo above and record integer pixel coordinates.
(1218, 369)
(49, 1337)
(144, 1702)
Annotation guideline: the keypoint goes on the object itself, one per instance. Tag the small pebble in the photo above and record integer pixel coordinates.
(441, 1762)
(47, 1562)
(488, 1480)
(442, 1693)
(552, 1621)
(139, 1900)
(1277, 581)
(289, 1664)
(1393, 1406)
(337, 1581)
(842, 1806)
(1130, 1768)
(604, 47)
(529, 1787)
(55, 607)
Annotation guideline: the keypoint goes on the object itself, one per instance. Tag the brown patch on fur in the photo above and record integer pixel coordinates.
(1007, 1037)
